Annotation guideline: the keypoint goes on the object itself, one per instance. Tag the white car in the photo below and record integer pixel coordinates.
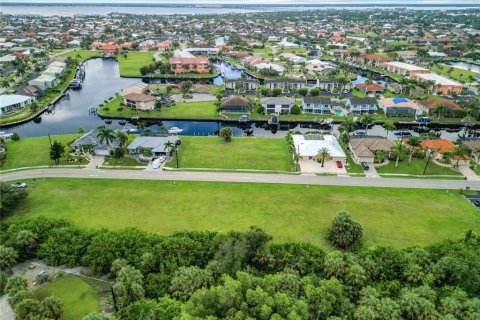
(19, 185)
(157, 163)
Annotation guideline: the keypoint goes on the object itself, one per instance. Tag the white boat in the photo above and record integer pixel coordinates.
(175, 130)
(5, 135)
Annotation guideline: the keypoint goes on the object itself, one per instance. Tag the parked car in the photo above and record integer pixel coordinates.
(345, 91)
(476, 203)
(156, 163)
(162, 159)
(402, 134)
(339, 164)
(365, 166)
(19, 185)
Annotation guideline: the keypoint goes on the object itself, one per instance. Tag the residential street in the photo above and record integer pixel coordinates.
(240, 177)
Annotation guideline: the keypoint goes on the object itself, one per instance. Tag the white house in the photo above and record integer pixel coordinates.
(365, 105)
(14, 101)
(317, 105)
(278, 105)
(307, 146)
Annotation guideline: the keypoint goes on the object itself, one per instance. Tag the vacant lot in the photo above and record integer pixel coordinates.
(80, 55)
(181, 110)
(416, 167)
(78, 297)
(240, 153)
(396, 217)
(130, 66)
(29, 152)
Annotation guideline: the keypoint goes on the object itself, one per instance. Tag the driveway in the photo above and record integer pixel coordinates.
(371, 172)
(468, 173)
(308, 166)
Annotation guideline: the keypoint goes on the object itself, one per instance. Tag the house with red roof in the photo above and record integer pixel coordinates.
(165, 45)
(189, 65)
(110, 48)
(369, 88)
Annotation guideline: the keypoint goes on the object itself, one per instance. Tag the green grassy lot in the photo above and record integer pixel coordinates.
(125, 161)
(84, 54)
(28, 152)
(264, 52)
(352, 167)
(185, 110)
(456, 74)
(130, 67)
(396, 217)
(78, 297)
(397, 43)
(416, 167)
(240, 153)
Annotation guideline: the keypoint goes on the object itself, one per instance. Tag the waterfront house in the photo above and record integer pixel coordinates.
(236, 104)
(404, 69)
(110, 48)
(139, 87)
(452, 108)
(442, 85)
(139, 101)
(366, 105)
(156, 144)
(90, 142)
(400, 107)
(9, 102)
(317, 105)
(277, 105)
(363, 149)
(242, 85)
(189, 65)
(307, 146)
(372, 88)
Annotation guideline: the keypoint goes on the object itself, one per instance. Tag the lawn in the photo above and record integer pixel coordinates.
(389, 216)
(78, 297)
(181, 110)
(416, 167)
(84, 54)
(352, 167)
(456, 73)
(240, 153)
(130, 66)
(29, 152)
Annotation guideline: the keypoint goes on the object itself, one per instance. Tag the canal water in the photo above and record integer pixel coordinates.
(102, 81)
(465, 66)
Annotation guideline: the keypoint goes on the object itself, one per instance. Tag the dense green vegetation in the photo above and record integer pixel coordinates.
(211, 275)
(288, 212)
(240, 153)
(78, 297)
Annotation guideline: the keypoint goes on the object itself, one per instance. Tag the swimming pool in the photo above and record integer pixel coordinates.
(339, 112)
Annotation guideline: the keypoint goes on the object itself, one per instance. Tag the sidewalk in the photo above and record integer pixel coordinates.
(95, 162)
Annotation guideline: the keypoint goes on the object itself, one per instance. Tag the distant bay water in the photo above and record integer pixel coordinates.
(85, 9)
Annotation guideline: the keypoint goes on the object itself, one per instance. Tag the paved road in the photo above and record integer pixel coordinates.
(239, 177)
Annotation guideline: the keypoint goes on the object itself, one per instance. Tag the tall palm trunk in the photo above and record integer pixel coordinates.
(398, 159)
(410, 157)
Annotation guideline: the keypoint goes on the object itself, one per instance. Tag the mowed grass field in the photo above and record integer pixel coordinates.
(181, 110)
(78, 297)
(84, 54)
(130, 66)
(416, 166)
(389, 216)
(35, 151)
(240, 153)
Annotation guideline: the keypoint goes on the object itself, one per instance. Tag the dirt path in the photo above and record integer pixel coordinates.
(6, 312)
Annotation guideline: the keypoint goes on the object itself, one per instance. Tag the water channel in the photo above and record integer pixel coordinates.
(103, 81)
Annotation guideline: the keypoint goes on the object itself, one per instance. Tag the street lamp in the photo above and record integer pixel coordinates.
(430, 152)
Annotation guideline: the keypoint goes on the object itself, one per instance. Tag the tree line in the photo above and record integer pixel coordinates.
(244, 275)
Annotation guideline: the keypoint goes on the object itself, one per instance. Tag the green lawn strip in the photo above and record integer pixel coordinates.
(423, 177)
(130, 66)
(126, 161)
(29, 152)
(79, 298)
(84, 54)
(456, 73)
(240, 153)
(352, 167)
(389, 216)
(416, 167)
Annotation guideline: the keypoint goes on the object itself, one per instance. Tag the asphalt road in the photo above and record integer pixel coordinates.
(239, 177)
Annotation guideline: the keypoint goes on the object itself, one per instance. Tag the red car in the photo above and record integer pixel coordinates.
(339, 164)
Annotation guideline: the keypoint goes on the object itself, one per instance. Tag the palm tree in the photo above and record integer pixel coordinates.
(440, 109)
(172, 147)
(460, 153)
(106, 135)
(413, 142)
(322, 155)
(399, 149)
(347, 126)
(389, 126)
(367, 121)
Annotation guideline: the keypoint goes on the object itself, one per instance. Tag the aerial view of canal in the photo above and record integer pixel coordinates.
(102, 81)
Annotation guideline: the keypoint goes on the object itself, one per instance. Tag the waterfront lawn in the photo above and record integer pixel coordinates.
(79, 298)
(456, 74)
(240, 153)
(416, 167)
(130, 66)
(29, 152)
(181, 110)
(287, 212)
(81, 55)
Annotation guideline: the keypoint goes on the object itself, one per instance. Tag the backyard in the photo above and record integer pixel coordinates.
(79, 298)
(397, 217)
(29, 152)
(240, 153)
(130, 66)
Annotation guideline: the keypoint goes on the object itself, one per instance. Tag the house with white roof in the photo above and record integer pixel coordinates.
(10, 102)
(307, 146)
(442, 84)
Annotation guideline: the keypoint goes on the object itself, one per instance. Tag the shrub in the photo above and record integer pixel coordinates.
(345, 231)
(295, 110)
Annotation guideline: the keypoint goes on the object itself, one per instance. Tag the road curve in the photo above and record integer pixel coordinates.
(239, 177)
